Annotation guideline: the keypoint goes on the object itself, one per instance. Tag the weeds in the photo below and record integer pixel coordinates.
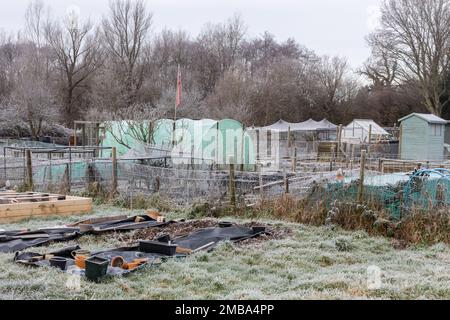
(136, 202)
(418, 227)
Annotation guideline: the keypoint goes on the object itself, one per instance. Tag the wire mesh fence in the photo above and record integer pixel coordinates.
(398, 190)
(182, 183)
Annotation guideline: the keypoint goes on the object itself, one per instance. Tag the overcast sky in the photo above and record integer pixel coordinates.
(333, 27)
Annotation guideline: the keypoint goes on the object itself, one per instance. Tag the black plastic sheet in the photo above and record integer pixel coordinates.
(203, 239)
(12, 241)
(212, 236)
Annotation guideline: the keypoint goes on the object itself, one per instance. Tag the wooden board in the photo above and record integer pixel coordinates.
(44, 209)
(9, 197)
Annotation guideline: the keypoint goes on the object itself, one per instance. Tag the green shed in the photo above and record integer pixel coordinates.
(422, 137)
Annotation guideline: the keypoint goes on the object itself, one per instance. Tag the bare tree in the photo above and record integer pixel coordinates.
(331, 74)
(76, 48)
(126, 31)
(381, 69)
(217, 49)
(417, 34)
(233, 97)
(31, 100)
(8, 53)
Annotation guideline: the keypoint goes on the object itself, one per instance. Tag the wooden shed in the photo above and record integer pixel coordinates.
(422, 137)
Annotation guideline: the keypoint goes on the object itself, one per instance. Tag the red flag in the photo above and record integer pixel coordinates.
(179, 88)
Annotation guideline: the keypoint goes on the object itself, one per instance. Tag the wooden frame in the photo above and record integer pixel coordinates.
(20, 206)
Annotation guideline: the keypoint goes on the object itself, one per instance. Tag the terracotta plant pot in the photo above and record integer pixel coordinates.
(80, 257)
(80, 261)
(118, 262)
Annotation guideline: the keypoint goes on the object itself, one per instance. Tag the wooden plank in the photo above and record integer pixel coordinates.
(18, 219)
(31, 205)
(11, 192)
(25, 210)
(13, 197)
(74, 211)
(44, 210)
(28, 200)
(27, 195)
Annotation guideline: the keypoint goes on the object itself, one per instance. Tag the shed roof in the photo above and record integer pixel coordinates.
(365, 125)
(430, 118)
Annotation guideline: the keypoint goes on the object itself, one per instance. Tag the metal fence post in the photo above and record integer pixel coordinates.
(361, 177)
(114, 171)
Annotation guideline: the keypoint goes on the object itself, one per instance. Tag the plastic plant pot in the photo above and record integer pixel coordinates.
(58, 262)
(225, 224)
(96, 268)
(164, 238)
(157, 247)
(258, 229)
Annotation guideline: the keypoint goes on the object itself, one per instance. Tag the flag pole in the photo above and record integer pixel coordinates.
(177, 104)
(174, 125)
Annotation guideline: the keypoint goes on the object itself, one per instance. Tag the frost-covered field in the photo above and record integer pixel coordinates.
(314, 263)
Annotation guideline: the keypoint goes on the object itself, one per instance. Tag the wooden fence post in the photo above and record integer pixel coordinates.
(69, 171)
(294, 161)
(114, 171)
(242, 149)
(353, 157)
(289, 137)
(50, 176)
(65, 188)
(29, 182)
(232, 184)
(261, 187)
(74, 134)
(286, 183)
(333, 150)
(361, 177)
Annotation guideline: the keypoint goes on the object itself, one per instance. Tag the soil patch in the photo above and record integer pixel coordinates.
(183, 228)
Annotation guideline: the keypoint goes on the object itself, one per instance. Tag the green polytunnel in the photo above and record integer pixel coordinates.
(206, 140)
(163, 132)
(229, 140)
(125, 135)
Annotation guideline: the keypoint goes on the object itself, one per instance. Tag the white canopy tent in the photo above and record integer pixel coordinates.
(309, 125)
